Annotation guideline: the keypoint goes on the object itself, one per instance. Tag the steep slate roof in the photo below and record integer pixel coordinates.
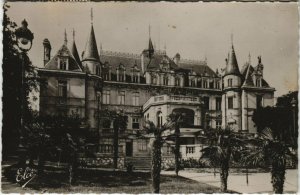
(75, 53)
(157, 59)
(91, 50)
(248, 79)
(64, 51)
(199, 67)
(232, 64)
(114, 59)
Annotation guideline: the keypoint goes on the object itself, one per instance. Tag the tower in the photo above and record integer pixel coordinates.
(231, 98)
(47, 51)
(90, 58)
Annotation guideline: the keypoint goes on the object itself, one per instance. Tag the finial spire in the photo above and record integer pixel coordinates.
(149, 31)
(65, 40)
(91, 15)
(249, 58)
(231, 38)
(73, 34)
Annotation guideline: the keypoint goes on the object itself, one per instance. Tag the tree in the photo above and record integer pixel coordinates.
(176, 118)
(288, 114)
(268, 149)
(119, 125)
(224, 147)
(13, 90)
(158, 135)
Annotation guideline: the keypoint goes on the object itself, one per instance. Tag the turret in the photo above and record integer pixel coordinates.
(176, 58)
(90, 58)
(47, 51)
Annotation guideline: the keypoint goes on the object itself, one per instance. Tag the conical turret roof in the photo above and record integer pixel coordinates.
(75, 51)
(91, 51)
(232, 65)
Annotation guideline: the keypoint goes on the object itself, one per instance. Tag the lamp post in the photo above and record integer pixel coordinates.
(294, 134)
(24, 39)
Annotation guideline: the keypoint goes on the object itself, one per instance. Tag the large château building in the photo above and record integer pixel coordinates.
(149, 86)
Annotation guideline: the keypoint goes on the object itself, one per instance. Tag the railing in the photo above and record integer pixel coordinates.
(172, 98)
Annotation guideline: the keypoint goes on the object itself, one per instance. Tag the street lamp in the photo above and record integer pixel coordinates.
(24, 39)
(293, 103)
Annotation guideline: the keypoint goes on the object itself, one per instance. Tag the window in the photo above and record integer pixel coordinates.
(193, 83)
(121, 97)
(177, 81)
(218, 103)
(153, 79)
(204, 84)
(135, 123)
(121, 75)
(206, 103)
(63, 64)
(135, 78)
(218, 84)
(106, 97)
(258, 82)
(229, 82)
(259, 101)
(169, 150)
(98, 70)
(211, 84)
(190, 149)
(159, 119)
(62, 89)
(166, 80)
(135, 98)
(142, 145)
(230, 102)
(218, 124)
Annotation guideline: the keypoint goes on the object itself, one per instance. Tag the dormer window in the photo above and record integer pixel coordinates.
(153, 79)
(121, 75)
(229, 82)
(258, 82)
(166, 80)
(218, 84)
(193, 83)
(177, 81)
(204, 84)
(135, 76)
(63, 63)
(98, 70)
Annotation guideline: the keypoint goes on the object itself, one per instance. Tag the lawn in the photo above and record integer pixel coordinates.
(99, 181)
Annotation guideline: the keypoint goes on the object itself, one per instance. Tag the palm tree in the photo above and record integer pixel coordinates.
(176, 119)
(223, 148)
(119, 124)
(269, 150)
(157, 134)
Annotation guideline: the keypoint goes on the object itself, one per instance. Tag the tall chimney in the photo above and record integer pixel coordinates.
(47, 51)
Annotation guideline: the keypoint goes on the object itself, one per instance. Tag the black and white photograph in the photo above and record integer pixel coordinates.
(150, 97)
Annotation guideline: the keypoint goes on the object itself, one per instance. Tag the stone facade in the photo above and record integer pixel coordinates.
(148, 86)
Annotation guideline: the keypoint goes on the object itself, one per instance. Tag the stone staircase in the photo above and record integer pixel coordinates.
(140, 162)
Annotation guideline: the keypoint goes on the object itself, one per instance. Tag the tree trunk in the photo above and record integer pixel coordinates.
(156, 165)
(177, 149)
(116, 144)
(224, 176)
(278, 176)
(73, 169)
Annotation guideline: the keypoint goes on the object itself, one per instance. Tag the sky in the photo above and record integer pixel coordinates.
(194, 30)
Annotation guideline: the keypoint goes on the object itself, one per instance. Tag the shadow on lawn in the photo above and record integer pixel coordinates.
(55, 180)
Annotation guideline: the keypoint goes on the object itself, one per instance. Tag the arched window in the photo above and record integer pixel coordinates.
(258, 82)
(159, 118)
(153, 79)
